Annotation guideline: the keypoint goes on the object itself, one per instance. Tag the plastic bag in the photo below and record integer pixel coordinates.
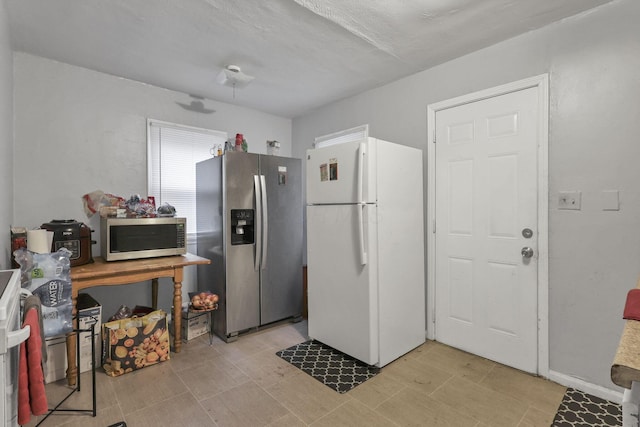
(98, 201)
(123, 312)
(166, 210)
(48, 277)
(134, 343)
(141, 207)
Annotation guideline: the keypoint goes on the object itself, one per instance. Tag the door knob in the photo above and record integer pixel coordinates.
(526, 252)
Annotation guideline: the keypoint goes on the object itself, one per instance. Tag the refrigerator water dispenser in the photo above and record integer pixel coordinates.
(242, 227)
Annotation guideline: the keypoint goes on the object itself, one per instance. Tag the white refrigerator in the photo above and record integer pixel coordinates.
(365, 249)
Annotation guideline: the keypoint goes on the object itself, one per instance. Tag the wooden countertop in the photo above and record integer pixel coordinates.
(122, 272)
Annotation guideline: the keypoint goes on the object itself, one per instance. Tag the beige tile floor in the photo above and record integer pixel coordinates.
(245, 384)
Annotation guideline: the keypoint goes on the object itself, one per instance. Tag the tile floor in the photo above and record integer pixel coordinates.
(245, 384)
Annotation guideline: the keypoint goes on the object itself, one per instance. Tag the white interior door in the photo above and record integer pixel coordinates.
(486, 227)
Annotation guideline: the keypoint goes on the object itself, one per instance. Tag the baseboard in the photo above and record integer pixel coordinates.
(582, 385)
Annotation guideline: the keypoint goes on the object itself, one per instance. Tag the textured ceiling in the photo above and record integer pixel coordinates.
(302, 53)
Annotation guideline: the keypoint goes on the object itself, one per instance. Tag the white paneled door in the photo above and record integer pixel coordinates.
(486, 207)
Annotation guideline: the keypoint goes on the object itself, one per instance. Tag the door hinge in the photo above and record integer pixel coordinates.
(433, 226)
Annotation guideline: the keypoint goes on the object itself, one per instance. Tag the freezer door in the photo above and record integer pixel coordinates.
(242, 297)
(342, 292)
(210, 242)
(281, 273)
(342, 173)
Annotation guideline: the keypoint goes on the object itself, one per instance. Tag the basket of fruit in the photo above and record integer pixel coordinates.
(203, 301)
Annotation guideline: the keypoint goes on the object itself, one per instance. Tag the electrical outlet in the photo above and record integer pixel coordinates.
(570, 200)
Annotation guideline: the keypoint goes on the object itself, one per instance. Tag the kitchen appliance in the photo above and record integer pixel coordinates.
(11, 335)
(74, 236)
(249, 222)
(134, 238)
(365, 249)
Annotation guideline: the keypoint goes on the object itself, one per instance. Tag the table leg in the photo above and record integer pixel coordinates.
(72, 369)
(154, 294)
(177, 309)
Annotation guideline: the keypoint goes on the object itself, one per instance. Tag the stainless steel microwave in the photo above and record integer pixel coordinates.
(133, 238)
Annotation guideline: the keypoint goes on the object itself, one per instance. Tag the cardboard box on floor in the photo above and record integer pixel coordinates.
(89, 311)
(56, 367)
(195, 324)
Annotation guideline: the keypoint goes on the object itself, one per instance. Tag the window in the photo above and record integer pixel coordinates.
(347, 135)
(172, 153)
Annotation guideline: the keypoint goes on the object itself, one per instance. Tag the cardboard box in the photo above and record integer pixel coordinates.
(195, 324)
(89, 312)
(56, 367)
(135, 343)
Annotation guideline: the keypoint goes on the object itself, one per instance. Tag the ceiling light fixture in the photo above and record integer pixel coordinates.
(233, 76)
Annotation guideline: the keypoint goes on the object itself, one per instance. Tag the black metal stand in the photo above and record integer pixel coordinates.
(203, 312)
(92, 411)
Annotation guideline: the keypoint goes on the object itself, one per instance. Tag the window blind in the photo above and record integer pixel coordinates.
(173, 151)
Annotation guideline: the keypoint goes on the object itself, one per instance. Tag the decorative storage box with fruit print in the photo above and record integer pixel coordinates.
(134, 343)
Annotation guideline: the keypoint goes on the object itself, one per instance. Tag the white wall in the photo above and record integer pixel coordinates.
(6, 139)
(77, 130)
(594, 145)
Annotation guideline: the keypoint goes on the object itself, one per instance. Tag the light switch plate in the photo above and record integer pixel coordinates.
(610, 200)
(570, 200)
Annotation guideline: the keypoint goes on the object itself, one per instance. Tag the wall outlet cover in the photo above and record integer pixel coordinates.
(571, 200)
(610, 200)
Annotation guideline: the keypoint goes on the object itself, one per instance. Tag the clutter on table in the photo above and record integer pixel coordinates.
(110, 205)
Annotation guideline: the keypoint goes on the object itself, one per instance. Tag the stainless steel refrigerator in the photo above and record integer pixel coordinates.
(249, 224)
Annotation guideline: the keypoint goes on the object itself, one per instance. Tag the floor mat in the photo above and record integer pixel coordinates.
(581, 409)
(327, 365)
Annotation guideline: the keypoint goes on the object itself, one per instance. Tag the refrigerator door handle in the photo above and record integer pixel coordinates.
(363, 251)
(258, 223)
(361, 152)
(265, 222)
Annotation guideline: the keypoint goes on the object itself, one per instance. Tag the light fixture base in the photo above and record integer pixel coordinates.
(233, 76)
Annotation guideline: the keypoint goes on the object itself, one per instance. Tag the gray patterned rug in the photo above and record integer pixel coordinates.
(579, 409)
(327, 365)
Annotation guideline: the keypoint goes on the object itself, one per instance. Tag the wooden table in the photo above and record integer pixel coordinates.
(102, 273)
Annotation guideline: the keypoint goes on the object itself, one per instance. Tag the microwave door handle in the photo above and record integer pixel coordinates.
(258, 223)
(14, 338)
(265, 222)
